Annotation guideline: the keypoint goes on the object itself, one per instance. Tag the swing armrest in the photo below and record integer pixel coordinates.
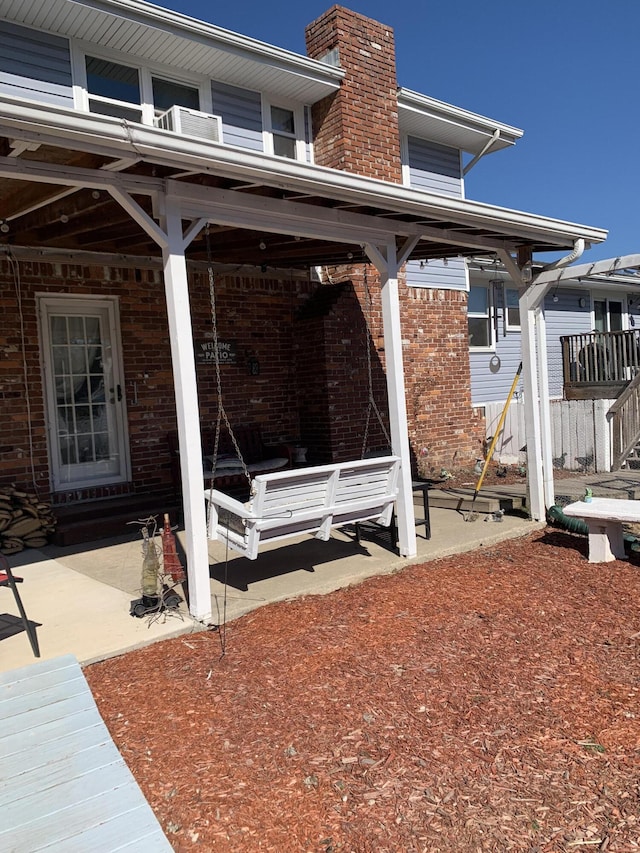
(223, 501)
(227, 512)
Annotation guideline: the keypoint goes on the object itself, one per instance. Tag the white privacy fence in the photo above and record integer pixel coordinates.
(579, 429)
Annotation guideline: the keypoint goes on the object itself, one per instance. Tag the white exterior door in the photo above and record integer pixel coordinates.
(86, 415)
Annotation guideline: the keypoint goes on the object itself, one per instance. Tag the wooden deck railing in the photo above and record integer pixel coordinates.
(598, 365)
(624, 416)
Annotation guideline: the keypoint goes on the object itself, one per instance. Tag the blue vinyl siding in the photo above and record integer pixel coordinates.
(35, 65)
(564, 317)
(241, 112)
(492, 372)
(491, 379)
(436, 168)
(449, 276)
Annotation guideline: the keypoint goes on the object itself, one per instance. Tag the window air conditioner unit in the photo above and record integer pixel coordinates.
(191, 123)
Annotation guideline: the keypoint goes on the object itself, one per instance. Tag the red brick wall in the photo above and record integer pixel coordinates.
(256, 314)
(357, 128)
(444, 429)
(357, 131)
(331, 335)
(22, 425)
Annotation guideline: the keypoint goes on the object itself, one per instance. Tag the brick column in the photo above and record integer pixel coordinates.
(356, 129)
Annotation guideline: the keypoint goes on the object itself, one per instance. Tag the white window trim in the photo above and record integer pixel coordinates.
(147, 71)
(510, 327)
(80, 50)
(404, 157)
(597, 296)
(489, 316)
(307, 114)
(298, 122)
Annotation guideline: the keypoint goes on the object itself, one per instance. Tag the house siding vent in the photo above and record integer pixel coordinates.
(191, 123)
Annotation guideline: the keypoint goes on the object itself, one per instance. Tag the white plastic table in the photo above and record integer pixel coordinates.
(604, 518)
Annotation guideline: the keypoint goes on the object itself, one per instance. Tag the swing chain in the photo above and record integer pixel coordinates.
(372, 405)
(221, 410)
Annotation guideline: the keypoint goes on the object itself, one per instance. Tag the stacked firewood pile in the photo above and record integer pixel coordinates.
(25, 522)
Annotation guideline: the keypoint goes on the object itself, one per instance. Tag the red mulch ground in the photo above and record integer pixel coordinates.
(487, 701)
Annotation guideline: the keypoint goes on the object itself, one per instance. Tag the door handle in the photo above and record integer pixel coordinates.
(118, 393)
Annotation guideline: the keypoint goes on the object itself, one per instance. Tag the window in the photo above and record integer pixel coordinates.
(607, 315)
(283, 130)
(114, 89)
(512, 309)
(167, 93)
(479, 317)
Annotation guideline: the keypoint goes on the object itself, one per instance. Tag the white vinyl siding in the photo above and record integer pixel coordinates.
(241, 112)
(35, 65)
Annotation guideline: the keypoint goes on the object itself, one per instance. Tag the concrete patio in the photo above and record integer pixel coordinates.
(80, 597)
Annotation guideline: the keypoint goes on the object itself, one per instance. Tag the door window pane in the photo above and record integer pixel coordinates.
(79, 381)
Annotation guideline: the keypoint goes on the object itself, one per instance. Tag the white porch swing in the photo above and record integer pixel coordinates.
(290, 503)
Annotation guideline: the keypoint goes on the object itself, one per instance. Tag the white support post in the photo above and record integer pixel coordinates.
(545, 411)
(385, 260)
(531, 410)
(184, 372)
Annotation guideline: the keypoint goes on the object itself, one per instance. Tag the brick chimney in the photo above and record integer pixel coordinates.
(356, 129)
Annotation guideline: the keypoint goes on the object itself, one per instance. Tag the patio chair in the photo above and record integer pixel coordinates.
(8, 579)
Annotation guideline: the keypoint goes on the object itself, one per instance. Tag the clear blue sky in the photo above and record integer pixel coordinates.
(567, 72)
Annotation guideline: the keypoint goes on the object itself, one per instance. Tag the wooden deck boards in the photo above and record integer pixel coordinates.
(63, 784)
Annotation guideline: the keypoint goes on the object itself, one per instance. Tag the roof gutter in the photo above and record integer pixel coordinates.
(52, 125)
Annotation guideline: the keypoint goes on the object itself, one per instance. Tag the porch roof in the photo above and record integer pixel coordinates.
(56, 163)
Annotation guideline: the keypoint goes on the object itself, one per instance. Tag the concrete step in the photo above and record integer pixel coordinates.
(462, 500)
(94, 520)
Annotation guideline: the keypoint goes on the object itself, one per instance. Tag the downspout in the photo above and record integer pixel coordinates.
(578, 248)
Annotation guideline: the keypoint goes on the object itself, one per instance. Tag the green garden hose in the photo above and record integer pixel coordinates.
(577, 525)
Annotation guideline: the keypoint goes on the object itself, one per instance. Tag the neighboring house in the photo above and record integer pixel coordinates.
(593, 337)
(143, 154)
